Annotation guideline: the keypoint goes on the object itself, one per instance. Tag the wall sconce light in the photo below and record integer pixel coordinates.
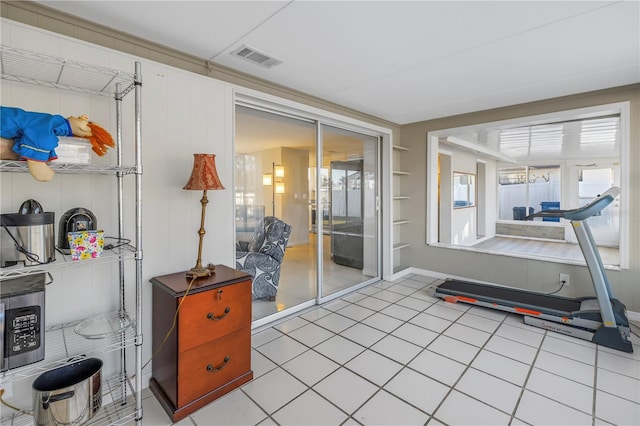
(274, 180)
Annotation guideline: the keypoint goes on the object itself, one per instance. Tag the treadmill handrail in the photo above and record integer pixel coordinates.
(593, 208)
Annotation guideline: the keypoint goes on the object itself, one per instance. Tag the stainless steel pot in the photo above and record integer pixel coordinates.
(68, 395)
(27, 238)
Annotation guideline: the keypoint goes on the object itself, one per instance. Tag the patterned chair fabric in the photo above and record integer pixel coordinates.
(262, 256)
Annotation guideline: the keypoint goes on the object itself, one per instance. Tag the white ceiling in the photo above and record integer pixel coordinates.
(403, 61)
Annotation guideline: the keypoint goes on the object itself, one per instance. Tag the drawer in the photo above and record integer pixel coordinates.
(214, 364)
(212, 314)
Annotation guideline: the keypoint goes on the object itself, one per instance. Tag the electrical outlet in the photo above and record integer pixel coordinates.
(566, 278)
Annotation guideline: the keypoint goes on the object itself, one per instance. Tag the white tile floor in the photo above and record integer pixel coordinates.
(298, 278)
(391, 355)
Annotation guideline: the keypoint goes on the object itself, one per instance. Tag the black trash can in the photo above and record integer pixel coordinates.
(519, 213)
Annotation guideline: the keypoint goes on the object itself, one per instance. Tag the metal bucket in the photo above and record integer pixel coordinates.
(68, 395)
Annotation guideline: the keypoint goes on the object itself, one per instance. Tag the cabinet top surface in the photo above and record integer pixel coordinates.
(176, 284)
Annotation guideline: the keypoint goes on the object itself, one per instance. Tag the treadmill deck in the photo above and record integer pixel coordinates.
(556, 305)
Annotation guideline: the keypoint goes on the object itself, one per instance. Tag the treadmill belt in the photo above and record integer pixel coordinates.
(510, 297)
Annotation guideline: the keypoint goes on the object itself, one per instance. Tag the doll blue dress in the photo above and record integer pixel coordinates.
(35, 133)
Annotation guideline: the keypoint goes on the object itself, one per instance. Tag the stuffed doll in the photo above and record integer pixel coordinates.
(33, 136)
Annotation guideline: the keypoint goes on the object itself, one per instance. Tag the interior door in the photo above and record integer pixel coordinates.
(350, 237)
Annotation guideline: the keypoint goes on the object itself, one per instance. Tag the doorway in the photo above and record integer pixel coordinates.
(320, 179)
(349, 199)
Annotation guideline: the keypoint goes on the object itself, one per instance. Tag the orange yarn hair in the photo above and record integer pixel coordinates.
(100, 139)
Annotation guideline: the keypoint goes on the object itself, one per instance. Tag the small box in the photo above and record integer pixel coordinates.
(86, 244)
(73, 150)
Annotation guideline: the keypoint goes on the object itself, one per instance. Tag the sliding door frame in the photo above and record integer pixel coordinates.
(253, 99)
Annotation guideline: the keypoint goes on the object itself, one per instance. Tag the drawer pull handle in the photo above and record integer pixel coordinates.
(214, 369)
(215, 318)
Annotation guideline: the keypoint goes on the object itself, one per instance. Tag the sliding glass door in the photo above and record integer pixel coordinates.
(273, 154)
(320, 180)
(349, 201)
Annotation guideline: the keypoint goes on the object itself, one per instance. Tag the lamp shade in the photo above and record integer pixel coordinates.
(204, 174)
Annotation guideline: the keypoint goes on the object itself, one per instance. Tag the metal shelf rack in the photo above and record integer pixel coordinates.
(69, 168)
(62, 261)
(27, 67)
(50, 71)
(114, 411)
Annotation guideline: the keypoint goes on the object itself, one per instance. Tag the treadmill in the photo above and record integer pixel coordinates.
(601, 320)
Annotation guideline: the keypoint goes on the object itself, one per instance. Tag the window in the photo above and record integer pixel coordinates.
(558, 160)
(249, 210)
(527, 189)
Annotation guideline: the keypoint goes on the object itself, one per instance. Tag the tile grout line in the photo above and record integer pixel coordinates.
(523, 388)
(380, 388)
(467, 367)
(405, 365)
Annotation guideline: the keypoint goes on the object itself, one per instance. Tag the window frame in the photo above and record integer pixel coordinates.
(453, 134)
(527, 165)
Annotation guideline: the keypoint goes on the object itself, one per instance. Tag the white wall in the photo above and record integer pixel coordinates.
(182, 114)
(463, 220)
(292, 206)
(491, 194)
(446, 198)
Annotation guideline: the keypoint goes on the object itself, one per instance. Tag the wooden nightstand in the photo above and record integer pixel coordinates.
(208, 354)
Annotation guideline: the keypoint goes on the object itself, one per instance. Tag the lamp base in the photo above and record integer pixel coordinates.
(199, 272)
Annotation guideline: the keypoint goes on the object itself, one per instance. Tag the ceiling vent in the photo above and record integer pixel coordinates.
(252, 55)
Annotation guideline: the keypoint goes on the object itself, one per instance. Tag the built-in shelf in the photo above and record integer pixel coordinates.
(399, 174)
(399, 246)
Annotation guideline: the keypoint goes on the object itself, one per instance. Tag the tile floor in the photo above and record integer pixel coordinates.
(389, 354)
(298, 278)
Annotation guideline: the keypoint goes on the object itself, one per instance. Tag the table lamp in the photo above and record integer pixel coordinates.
(204, 176)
